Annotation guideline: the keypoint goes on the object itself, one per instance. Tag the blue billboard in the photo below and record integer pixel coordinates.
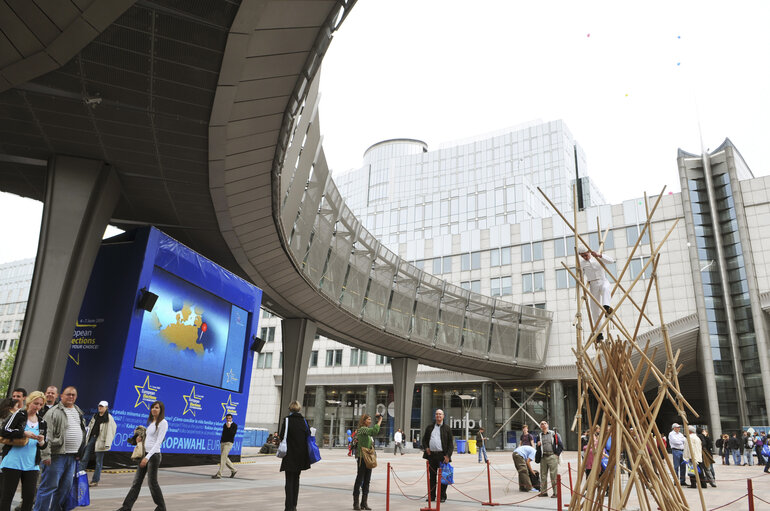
(190, 351)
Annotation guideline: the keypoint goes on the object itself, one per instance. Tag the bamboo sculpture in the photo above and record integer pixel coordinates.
(622, 412)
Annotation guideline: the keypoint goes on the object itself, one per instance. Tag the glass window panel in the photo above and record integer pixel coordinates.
(494, 287)
(505, 255)
(465, 262)
(526, 281)
(476, 286)
(437, 266)
(475, 260)
(448, 264)
(494, 257)
(537, 251)
(526, 253)
(539, 281)
(505, 286)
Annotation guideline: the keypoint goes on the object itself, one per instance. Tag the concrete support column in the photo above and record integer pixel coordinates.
(506, 413)
(404, 374)
(558, 417)
(426, 408)
(80, 198)
(298, 336)
(488, 414)
(320, 413)
(447, 403)
(371, 401)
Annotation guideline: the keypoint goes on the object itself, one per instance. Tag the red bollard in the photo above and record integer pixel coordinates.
(387, 492)
(751, 494)
(558, 491)
(571, 490)
(489, 485)
(438, 489)
(427, 470)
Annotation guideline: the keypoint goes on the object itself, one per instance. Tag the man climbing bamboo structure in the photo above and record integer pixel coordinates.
(597, 283)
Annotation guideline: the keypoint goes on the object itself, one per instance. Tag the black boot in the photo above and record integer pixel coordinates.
(355, 503)
(364, 503)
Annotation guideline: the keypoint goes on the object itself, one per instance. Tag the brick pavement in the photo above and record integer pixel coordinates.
(328, 486)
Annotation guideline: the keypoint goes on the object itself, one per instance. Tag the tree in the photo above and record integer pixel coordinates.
(6, 368)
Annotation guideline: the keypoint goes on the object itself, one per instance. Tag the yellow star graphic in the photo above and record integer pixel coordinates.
(187, 398)
(139, 388)
(228, 406)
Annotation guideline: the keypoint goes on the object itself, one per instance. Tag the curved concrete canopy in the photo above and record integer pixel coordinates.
(209, 116)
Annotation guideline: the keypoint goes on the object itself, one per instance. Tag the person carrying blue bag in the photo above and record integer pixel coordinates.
(295, 431)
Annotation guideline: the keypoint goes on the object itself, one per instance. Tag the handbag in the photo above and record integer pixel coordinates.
(369, 456)
(282, 448)
(312, 447)
(447, 473)
(139, 451)
(79, 495)
(14, 442)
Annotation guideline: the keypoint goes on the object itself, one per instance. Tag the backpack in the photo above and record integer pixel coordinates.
(750, 443)
(766, 450)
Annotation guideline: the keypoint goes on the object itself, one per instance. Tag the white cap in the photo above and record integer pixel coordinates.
(675, 425)
(103, 403)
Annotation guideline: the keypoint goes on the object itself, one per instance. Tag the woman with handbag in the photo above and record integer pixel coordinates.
(366, 459)
(24, 438)
(294, 432)
(157, 426)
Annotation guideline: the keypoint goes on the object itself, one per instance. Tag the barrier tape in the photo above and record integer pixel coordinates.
(404, 482)
(731, 502)
(601, 506)
(761, 499)
(396, 479)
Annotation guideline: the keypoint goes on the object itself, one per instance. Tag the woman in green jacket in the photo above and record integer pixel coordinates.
(364, 435)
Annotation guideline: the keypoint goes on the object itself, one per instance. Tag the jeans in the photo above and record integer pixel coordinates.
(399, 446)
(737, 456)
(98, 459)
(482, 450)
(679, 467)
(291, 489)
(749, 453)
(151, 470)
(363, 476)
(55, 483)
(11, 482)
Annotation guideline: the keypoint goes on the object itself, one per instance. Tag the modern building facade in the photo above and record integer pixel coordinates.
(15, 279)
(522, 262)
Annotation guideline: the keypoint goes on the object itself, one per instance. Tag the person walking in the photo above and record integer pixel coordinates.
(748, 448)
(598, 285)
(734, 445)
(550, 446)
(523, 456)
(22, 463)
(398, 441)
(296, 431)
(364, 435)
(438, 444)
(481, 444)
(101, 433)
(157, 427)
(676, 441)
(226, 441)
(66, 433)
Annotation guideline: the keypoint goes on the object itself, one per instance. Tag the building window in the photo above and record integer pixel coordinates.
(358, 357)
(268, 333)
(437, 266)
(265, 361)
(564, 246)
(537, 305)
(447, 264)
(636, 266)
(7, 326)
(333, 358)
(17, 326)
(500, 286)
(532, 282)
(500, 256)
(266, 314)
(632, 234)
(465, 262)
(280, 360)
(609, 241)
(382, 360)
(3, 344)
(563, 279)
(314, 358)
(475, 260)
(532, 252)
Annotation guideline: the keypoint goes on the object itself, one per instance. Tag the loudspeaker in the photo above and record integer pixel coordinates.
(257, 345)
(147, 300)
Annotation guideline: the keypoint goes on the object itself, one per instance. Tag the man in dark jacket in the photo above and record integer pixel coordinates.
(438, 445)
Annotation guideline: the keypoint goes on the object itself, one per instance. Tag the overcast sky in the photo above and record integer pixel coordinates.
(632, 80)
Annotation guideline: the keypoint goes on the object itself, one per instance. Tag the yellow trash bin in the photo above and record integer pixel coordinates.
(472, 446)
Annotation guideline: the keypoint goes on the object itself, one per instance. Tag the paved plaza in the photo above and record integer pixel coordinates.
(328, 485)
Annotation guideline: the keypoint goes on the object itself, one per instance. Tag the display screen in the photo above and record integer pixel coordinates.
(192, 334)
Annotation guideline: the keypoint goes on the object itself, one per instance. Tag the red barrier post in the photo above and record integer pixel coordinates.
(751, 494)
(489, 485)
(438, 489)
(558, 492)
(569, 471)
(427, 471)
(387, 492)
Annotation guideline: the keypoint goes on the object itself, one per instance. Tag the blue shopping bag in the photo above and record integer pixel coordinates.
(79, 495)
(447, 473)
(312, 448)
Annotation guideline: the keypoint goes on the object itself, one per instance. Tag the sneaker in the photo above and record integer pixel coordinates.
(542, 495)
(233, 474)
(93, 484)
(216, 476)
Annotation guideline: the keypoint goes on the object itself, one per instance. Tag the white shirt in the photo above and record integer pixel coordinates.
(593, 270)
(397, 437)
(435, 439)
(526, 452)
(676, 440)
(73, 435)
(155, 437)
